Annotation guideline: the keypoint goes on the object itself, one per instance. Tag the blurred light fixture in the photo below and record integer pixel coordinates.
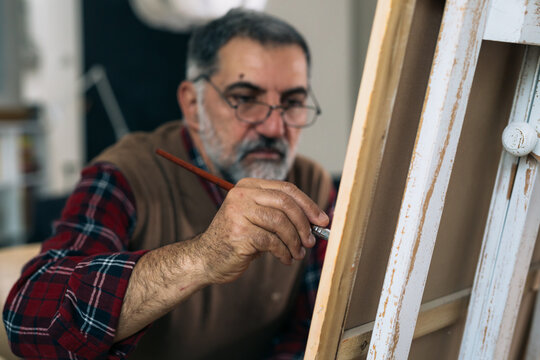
(181, 15)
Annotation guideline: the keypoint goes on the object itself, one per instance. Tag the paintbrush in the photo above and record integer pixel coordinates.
(317, 230)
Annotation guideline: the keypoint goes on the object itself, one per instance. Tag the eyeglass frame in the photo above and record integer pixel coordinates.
(271, 108)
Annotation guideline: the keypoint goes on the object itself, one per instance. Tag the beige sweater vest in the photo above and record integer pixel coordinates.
(235, 320)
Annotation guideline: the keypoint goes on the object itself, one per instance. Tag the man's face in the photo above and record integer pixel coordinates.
(270, 74)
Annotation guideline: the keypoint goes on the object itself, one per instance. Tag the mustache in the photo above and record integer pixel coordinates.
(278, 145)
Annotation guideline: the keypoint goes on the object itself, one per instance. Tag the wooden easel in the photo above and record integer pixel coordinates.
(432, 210)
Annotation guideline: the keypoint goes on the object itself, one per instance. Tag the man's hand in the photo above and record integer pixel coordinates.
(258, 216)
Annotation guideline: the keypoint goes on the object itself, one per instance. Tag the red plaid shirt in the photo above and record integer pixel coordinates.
(67, 301)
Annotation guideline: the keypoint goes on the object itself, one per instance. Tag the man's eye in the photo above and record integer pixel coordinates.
(242, 99)
(288, 103)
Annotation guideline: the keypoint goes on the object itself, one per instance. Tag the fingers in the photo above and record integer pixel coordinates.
(277, 223)
(265, 241)
(289, 212)
(277, 212)
(314, 214)
(268, 216)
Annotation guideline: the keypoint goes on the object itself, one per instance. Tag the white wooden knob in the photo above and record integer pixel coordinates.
(519, 138)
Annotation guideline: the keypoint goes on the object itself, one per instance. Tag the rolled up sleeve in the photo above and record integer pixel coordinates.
(68, 299)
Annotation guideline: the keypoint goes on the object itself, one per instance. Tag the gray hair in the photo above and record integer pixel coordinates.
(206, 40)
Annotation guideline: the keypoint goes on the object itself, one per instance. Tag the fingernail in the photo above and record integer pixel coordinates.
(302, 252)
(323, 217)
(311, 239)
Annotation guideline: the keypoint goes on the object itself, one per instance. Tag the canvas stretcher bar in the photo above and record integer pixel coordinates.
(509, 238)
(440, 126)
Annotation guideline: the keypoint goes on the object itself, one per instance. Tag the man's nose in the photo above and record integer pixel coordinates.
(274, 126)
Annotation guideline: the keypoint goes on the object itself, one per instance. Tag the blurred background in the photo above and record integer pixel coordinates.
(75, 76)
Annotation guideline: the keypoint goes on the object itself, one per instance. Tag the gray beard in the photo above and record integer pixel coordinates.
(235, 167)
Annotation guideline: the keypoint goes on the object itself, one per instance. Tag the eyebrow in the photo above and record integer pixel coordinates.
(297, 90)
(251, 86)
(244, 85)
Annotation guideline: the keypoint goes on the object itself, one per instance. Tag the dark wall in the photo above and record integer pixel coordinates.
(144, 66)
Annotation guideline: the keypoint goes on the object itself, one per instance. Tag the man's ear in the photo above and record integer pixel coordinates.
(187, 99)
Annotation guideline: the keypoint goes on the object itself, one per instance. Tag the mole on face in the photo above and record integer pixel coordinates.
(241, 76)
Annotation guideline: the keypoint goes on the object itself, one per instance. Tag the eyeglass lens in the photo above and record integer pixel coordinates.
(258, 112)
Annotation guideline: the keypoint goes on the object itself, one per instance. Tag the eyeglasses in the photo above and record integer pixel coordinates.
(294, 112)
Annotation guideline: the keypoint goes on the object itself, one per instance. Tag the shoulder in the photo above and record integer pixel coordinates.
(134, 156)
(139, 146)
(102, 174)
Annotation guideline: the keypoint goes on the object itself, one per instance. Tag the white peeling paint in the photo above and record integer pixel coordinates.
(442, 118)
(511, 231)
(515, 21)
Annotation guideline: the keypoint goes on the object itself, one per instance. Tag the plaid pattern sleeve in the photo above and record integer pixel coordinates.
(291, 343)
(67, 301)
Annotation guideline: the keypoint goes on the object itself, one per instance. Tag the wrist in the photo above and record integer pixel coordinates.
(198, 261)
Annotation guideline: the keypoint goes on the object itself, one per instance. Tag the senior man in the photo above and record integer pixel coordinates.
(150, 261)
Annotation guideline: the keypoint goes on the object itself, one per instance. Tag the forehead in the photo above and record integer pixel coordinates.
(277, 67)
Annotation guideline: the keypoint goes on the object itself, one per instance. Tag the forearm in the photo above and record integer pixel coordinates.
(252, 220)
(162, 279)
